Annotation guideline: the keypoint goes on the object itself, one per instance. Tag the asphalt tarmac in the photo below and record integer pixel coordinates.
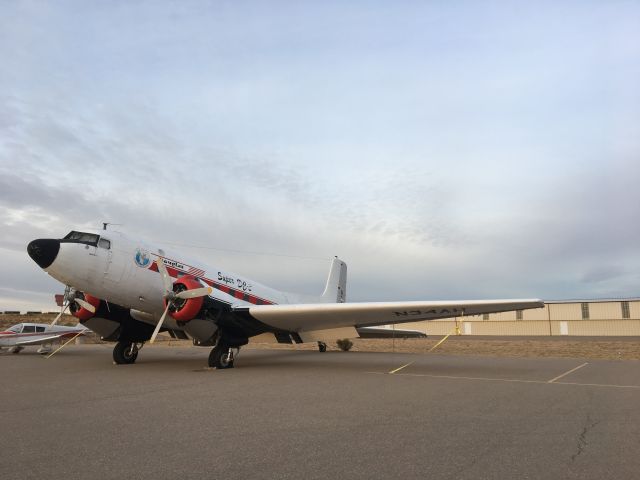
(303, 414)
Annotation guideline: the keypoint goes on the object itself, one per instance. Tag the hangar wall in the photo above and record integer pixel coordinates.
(575, 317)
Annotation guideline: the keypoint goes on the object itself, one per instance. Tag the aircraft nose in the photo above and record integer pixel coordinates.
(43, 251)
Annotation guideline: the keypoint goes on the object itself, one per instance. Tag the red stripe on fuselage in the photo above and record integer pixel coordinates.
(239, 294)
(41, 334)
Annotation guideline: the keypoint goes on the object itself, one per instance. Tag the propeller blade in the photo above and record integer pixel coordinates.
(85, 304)
(166, 278)
(194, 292)
(55, 320)
(159, 325)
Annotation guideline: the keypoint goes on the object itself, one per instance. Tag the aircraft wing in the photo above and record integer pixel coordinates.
(320, 316)
(45, 339)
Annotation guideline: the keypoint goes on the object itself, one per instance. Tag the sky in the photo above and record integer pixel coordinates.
(443, 150)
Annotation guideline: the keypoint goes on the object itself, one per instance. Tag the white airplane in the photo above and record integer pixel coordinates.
(132, 285)
(27, 334)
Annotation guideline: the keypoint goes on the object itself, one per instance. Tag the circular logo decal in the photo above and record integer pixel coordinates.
(142, 257)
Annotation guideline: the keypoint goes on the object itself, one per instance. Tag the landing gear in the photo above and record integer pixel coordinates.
(15, 350)
(221, 356)
(125, 353)
(322, 347)
(44, 349)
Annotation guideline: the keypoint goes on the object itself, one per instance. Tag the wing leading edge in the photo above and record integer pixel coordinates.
(320, 316)
(47, 339)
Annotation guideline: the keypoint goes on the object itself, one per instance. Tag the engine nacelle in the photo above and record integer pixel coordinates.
(185, 310)
(82, 313)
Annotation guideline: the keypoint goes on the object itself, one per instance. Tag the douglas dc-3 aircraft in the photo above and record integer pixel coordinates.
(129, 290)
(31, 334)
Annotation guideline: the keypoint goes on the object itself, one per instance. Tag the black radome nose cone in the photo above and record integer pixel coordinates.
(43, 251)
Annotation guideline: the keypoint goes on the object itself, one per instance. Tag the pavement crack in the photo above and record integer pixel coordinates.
(582, 438)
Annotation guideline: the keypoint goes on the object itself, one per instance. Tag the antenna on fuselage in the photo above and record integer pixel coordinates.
(104, 224)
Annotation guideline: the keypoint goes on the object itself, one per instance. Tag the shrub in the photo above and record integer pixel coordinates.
(345, 344)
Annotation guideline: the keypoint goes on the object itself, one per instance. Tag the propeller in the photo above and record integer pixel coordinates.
(171, 296)
(62, 310)
(69, 296)
(85, 304)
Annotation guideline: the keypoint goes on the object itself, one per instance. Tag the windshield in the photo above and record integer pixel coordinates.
(16, 328)
(81, 237)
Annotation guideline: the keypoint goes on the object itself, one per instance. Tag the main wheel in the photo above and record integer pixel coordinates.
(219, 357)
(125, 353)
(322, 347)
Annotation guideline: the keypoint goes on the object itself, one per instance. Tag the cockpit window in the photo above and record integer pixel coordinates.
(104, 243)
(16, 328)
(81, 237)
(29, 329)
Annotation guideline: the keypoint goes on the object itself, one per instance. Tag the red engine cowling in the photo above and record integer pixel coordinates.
(185, 310)
(82, 313)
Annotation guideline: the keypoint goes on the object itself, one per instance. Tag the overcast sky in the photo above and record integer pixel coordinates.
(442, 149)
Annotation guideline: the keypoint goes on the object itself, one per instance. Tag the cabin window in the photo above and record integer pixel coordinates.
(104, 243)
(81, 237)
(29, 329)
(518, 314)
(485, 316)
(40, 329)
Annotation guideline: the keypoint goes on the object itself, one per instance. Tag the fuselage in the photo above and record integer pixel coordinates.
(116, 268)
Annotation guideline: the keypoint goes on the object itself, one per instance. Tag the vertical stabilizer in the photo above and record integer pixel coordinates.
(336, 289)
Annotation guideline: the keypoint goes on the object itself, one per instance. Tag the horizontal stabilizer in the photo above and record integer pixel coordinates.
(328, 335)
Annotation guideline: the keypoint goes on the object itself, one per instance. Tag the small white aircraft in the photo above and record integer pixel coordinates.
(27, 334)
(127, 291)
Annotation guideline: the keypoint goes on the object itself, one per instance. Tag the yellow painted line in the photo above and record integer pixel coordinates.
(398, 369)
(508, 380)
(440, 342)
(597, 385)
(430, 350)
(63, 345)
(567, 373)
(462, 378)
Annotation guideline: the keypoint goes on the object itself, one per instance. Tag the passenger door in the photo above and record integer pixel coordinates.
(116, 264)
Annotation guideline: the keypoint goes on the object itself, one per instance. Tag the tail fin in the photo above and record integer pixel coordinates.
(336, 289)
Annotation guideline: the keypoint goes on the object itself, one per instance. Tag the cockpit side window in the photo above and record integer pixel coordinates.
(28, 329)
(104, 243)
(81, 237)
(40, 329)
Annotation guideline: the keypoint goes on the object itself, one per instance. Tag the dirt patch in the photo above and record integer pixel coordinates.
(628, 349)
(8, 320)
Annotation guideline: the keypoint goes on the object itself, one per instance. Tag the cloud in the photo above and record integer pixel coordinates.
(603, 273)
(475, 158)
